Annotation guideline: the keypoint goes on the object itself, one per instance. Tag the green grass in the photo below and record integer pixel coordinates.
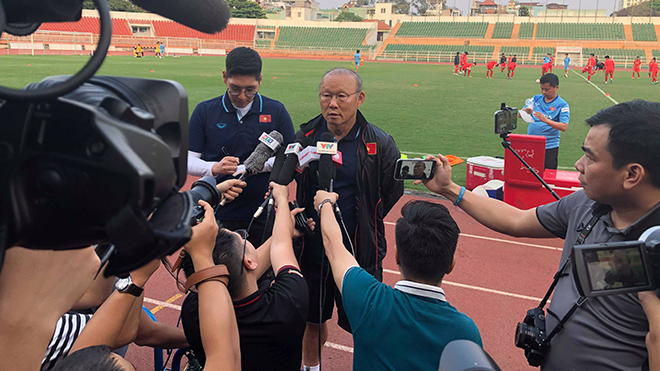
(444, 114)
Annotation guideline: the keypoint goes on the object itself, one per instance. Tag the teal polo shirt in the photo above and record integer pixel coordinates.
(402, 328)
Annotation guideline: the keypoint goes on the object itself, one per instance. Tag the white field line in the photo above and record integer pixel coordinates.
(503, 241)
(596, 86)
(477, 288)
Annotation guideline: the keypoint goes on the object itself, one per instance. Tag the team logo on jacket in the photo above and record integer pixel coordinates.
(221, 125)
(264, 118)
(552, 108)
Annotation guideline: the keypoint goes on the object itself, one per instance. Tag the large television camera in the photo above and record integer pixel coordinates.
(87, 160)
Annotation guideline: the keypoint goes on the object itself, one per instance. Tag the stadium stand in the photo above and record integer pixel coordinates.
(614, 53)
(526, 30)
(580, 31)
(320, 37)
(503, 30)
(644, 32)
(443, 29)
(521, 51)
(262, 44)
(426, 48)
(236, 32)
(656, 53)
(89, 25)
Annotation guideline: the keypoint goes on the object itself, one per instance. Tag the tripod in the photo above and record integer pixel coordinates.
(506, 144)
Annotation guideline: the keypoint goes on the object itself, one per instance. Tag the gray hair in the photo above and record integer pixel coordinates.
(344, 71)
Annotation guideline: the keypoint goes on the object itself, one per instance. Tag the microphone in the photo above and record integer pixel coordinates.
(326, 147)
(255, 162)
(291, 162)
(208, 16)
(274, 173)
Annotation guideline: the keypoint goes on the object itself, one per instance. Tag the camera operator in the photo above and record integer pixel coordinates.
(225, 130)
(416, 308)
(551, 115)
(621, 168)
(271, 316)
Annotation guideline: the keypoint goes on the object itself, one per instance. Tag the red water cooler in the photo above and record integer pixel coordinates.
(521, 188)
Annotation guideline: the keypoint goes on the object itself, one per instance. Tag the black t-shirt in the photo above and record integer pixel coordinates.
(271, 323)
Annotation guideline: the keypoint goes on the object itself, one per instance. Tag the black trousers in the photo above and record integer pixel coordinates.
(551, 155)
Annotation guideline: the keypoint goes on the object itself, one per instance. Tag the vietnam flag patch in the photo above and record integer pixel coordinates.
(552, 108)
(371, 148)
(264, 118)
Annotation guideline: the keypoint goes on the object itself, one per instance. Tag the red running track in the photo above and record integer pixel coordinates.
(496, 280)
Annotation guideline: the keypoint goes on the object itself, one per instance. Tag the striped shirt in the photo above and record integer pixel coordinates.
(67, 330)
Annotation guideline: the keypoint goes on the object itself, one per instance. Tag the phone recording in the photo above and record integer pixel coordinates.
(414, 169)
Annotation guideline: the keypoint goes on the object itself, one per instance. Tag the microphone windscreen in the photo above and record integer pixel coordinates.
(277, 165)
(255, 162)
(209, 16)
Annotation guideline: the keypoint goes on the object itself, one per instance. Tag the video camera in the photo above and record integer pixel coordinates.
(87, 160)
(613, 268)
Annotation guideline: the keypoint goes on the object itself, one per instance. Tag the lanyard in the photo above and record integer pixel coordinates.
(597, 214)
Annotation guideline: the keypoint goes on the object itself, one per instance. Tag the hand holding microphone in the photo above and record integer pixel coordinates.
(230, 189)
(255, 162)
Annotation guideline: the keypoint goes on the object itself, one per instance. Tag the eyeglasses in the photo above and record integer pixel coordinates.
(249, 92)
(341, 97)
(244, 235)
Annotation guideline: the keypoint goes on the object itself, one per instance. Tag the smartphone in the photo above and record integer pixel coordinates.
(414, 169)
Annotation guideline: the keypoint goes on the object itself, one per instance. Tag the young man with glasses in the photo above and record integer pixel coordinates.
(271, 316)
(367, 189)
(225, 130)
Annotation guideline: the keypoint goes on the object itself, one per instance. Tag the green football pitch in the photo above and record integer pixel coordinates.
(443, 114)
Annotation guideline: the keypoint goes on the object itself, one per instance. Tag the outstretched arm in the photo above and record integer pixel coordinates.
(487, 211)
(340, 259)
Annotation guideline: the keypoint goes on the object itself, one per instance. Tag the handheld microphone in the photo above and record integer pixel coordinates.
(326, 147)
(289, 166)
(274, 174)
(255, 162)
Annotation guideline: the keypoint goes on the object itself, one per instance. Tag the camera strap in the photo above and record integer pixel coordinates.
(599, 211)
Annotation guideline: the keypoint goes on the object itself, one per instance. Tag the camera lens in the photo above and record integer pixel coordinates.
(524, 335)
(204, 189)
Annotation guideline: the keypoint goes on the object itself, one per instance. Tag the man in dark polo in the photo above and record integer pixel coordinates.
(225, 130)
(620, 176)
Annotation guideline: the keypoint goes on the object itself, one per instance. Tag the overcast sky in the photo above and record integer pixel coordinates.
(463, 5)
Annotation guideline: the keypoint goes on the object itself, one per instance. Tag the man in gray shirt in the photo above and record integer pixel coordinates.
(621, 168)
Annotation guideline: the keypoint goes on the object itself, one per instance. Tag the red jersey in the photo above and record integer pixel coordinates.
(512, 66)
(491, 64)
(636, 64)
(508, 61)
(609, 65)
(653, 66)
(468, 65)
(463, 59)
(591, 62)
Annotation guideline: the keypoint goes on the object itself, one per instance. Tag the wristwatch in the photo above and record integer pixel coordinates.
(126, 285)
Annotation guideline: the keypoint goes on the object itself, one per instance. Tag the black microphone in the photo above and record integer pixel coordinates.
(209, 16)
(255, 162)
(327, 169)
(289, 167)
(274, 174)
